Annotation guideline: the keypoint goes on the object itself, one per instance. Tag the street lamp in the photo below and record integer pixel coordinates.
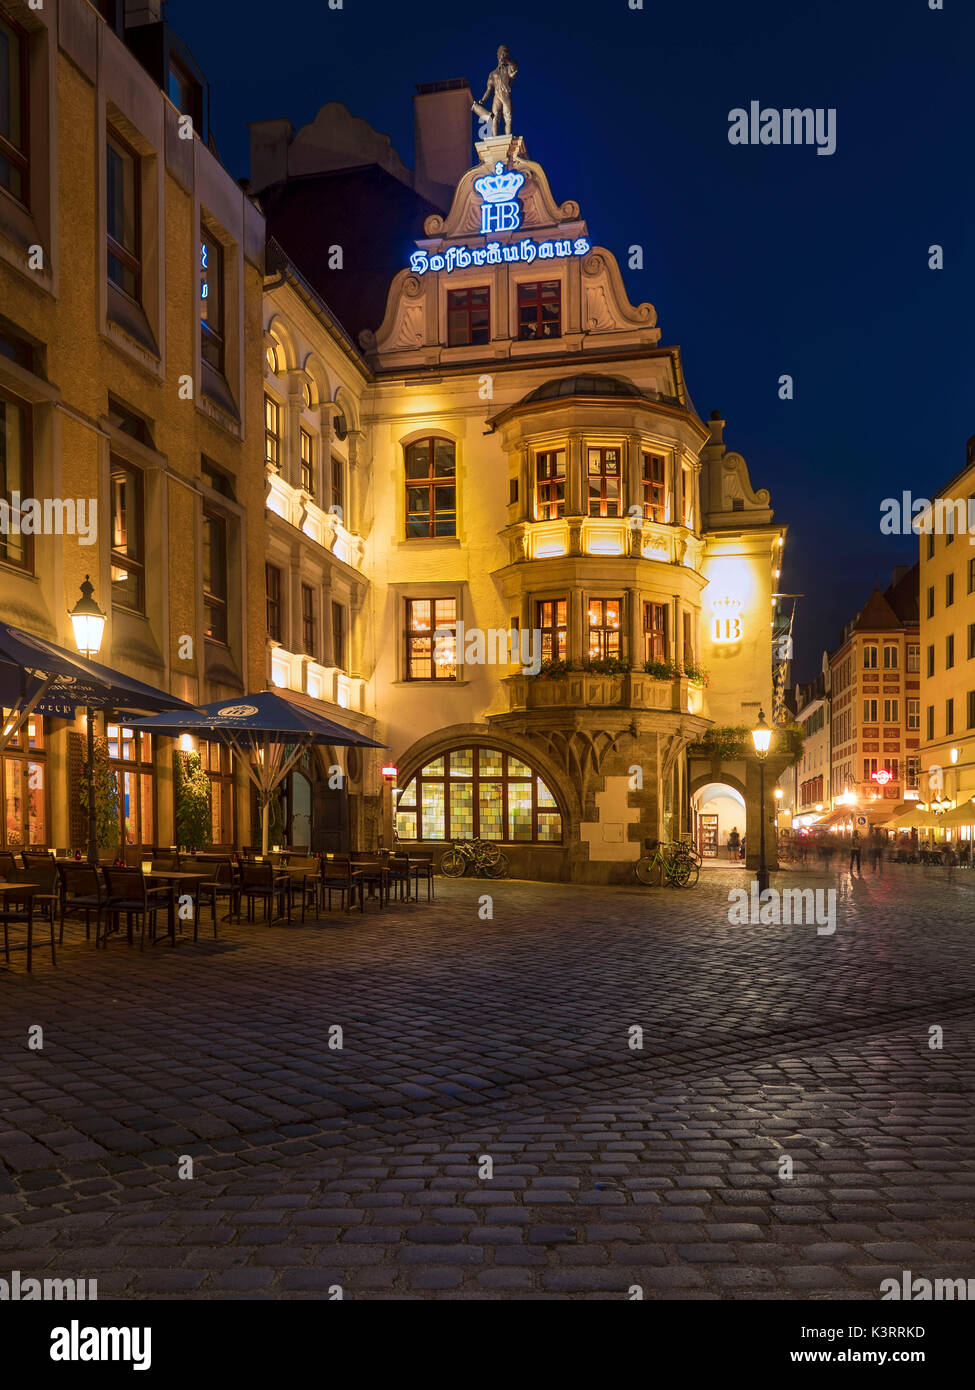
(761, 738)
(88, 622)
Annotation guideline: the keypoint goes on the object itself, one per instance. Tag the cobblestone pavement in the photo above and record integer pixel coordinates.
(509, 1039)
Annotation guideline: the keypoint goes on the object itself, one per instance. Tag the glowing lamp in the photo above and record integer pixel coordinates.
(88, 622)
(761, 736)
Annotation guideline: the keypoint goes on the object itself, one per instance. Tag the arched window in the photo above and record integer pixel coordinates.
(431, 488)
(480, 793)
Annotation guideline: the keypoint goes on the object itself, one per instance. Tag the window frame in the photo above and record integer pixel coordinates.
(549, 506)
(654, 489)
(130, 259)
(309, 625)
(340, 637)
(554, 634)
(273, 611)
(19, 157)
(467, 309)
(538, 305)
(602, 478)
(414, 634)
(214, 602)
(24, 565)
(654, 637)
(306, 462)
(117, 558)
(504, 779)
(273, 438)
(604, 630)
(213, 339)
(430, 483)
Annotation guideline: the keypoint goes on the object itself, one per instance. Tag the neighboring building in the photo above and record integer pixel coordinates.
(947, 564)
(813, 778)
(130, 378)
(523, 458)
(874, 678)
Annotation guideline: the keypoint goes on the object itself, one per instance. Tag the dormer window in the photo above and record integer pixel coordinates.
(469, 317)
(540, 310)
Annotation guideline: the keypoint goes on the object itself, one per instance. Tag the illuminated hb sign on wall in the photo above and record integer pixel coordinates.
(500, 212)
(726, 620)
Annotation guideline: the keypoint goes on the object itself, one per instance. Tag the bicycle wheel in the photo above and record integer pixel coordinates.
(453, 864)
(678, 872)
(692, 877)
(498, 869)
(647, 870)
(489, 853)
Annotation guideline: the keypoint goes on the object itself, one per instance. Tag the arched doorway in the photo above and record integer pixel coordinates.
(311, 807)
(719, 809)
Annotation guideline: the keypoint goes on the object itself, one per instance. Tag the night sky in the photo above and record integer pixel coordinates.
(760, 261)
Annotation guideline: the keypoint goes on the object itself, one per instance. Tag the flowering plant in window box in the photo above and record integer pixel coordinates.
(661, 670)
(697, 675)
(551, 670)
(608, 666)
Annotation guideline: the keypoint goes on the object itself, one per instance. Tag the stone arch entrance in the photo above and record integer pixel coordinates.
(717, 809)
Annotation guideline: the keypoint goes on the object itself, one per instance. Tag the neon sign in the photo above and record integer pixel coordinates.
(883, 776)
(500, 212)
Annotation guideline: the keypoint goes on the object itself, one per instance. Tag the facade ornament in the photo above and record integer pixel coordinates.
(499, 81)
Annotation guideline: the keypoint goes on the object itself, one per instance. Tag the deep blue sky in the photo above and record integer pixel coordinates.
(760, 261)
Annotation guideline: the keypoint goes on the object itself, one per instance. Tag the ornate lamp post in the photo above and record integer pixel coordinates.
(762, 738)
(88, 622)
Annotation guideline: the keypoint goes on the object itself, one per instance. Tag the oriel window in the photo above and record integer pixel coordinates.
(212, 301)
(540, 310)
(655, 632)
(14, 166)
(605, 621)
(123, 217)
(552, 620)
(128, 553)
(431, 488)
(654, 487)
(550, 485)
(605, 493)
(431, 642)
(468, 317)
(215, 576)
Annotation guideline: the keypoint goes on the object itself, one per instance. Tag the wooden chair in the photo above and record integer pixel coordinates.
(223, 885)
(128, 891)
(338, 876)
(81, 891)
(8, 863)
(39, 857)
(37, 901)
(264, 883)
(305, 882)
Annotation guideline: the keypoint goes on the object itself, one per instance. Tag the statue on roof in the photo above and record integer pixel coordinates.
(499, 81)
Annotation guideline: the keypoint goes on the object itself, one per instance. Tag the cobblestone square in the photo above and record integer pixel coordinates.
(487, 1128)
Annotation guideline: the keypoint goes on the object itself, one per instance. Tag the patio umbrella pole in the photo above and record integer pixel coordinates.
(19, 717)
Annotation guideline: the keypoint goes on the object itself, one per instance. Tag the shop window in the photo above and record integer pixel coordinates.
(478, 793)
(215, 584)
(14, 109)
(468, 317)
(128, 553)
(551, 617)
(431, 651)
(655, 632)
(540, 310)
(23, 775)
(124, 217)
(550, 485)
(605, 491)
(654, 487)
(605, 638)
(431, 488)
(130, 758)
(272, 590)
(16, 549)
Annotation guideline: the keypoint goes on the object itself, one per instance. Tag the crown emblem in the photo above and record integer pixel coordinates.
(726, 605)
(501, 186)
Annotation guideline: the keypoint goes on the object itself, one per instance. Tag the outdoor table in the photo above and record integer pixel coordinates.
(10, 890)
(170, 879)
(417, 868)
(374, 874)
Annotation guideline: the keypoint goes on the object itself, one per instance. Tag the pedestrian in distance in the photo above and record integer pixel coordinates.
(734, 841)
(855, 853)
(877, 850)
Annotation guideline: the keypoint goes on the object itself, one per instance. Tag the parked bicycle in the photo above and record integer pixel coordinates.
(482, 856)
(679, 863)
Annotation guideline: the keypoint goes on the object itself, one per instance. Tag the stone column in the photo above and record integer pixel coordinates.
(575, 489)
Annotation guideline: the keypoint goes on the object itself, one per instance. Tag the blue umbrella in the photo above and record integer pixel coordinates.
(272, 730)
(39, 677)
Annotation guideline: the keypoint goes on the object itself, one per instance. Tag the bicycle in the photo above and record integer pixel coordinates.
(482, 855)
(676, 862)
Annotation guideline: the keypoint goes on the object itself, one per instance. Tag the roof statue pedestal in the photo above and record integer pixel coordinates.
(506, 148)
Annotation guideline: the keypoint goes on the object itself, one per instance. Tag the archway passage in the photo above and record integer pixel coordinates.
(719, 813)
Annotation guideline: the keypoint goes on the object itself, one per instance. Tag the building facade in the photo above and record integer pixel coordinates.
(131, 347)
(557, 577)
(947, 638)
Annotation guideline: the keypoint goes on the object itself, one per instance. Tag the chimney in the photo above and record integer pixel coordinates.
(270, 141)
(442, 138)
(141, 12)
(716, 426)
